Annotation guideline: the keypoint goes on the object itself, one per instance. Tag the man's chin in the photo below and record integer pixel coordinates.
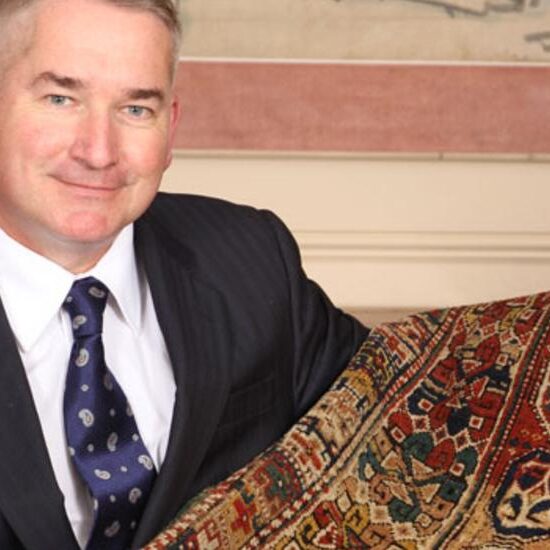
(79, 250)
(90, 232)
(90, 226)
(93, 238)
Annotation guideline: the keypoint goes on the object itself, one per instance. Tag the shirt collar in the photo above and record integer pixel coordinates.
(32, 287)
(118, 270)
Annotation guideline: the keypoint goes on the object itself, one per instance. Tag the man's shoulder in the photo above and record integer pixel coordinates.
(185, 210)
(218, 240)
(167, 201)
(204, 224)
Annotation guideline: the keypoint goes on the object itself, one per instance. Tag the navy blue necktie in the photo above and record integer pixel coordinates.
(102, 435)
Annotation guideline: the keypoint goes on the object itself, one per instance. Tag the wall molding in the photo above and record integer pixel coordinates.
(433, 246)
(360, 155)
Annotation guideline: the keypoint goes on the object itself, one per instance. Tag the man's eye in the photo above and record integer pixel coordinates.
(58, 100)
(138, 111)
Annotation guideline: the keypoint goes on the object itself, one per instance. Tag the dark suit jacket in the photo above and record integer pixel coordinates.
(252, 342)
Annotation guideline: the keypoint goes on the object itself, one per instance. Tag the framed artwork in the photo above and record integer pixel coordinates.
(367, 76)
(384, 30)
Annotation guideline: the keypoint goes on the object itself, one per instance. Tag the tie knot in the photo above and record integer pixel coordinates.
(85, 304)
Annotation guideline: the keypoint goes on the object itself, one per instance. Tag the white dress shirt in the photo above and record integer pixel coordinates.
(32, 289)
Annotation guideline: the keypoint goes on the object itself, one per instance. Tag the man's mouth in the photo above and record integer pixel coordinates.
(88, 186)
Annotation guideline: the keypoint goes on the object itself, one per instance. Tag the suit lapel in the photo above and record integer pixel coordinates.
(30, 499)
(191, 316)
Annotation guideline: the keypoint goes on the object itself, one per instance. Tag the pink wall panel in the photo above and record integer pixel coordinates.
(364, 107)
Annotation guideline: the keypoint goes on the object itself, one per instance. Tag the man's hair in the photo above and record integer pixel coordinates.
(166, 10)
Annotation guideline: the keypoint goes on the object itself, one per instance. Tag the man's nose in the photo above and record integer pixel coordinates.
(96, 143)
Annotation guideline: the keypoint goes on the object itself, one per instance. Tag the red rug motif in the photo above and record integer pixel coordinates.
(437, 435)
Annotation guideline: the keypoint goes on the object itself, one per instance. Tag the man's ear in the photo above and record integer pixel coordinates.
(175, 114)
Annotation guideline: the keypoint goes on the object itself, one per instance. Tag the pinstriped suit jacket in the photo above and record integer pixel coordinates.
(253, 344)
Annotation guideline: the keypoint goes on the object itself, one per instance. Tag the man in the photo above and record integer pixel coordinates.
(211, 330)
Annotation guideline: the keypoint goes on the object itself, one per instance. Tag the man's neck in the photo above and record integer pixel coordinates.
(76, 257)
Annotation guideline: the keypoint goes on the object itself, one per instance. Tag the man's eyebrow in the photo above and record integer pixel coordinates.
(71, 83)
(67, 82)
(140, 94)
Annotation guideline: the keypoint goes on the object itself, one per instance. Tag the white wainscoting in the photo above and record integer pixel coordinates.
(390, 235)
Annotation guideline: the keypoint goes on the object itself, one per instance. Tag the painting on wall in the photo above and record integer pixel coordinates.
(515, 31)
(375, 76)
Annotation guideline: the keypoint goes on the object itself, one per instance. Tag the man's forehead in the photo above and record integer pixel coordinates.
(26, 12)
(79, 47)
(95, 18)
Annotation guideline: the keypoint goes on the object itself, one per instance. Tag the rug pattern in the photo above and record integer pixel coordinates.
(437, 435)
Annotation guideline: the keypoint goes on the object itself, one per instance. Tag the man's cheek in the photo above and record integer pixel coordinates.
(146, 159)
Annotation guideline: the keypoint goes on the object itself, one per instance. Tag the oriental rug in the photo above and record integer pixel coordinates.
(437, 435)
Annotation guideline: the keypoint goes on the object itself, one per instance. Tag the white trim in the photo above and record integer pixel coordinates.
(361, 155)
(446, 246)
(362, 62)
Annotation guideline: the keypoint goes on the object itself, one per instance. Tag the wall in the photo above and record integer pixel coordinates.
(396, 234)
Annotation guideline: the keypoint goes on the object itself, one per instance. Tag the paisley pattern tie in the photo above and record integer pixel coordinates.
(102, 435)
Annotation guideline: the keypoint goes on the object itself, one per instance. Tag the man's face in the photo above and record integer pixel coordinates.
(86, 124)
